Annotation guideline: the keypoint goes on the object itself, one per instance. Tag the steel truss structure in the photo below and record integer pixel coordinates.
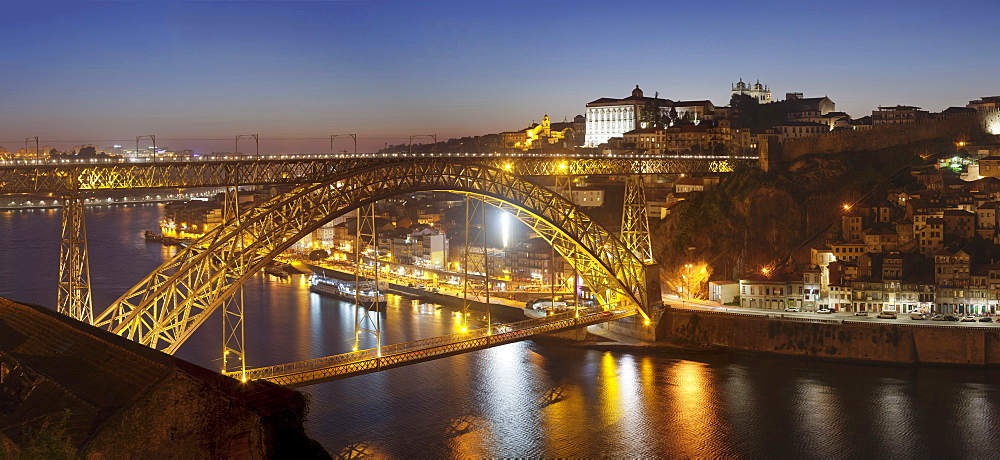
(75, 177)
(635, 220)
(233, 335)
(163, 309)
(475, 235)
(74, 298)
(366, 313)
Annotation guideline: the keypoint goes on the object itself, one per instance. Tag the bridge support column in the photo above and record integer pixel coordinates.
(364, 237)
(233, 336)
(475, 235)
(635, 222)
(74, 298)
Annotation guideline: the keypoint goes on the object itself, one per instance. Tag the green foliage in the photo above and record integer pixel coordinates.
(49, 441)
(722, 223)
(652, 114)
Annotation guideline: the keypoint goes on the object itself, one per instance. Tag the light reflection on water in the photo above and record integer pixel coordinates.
(541, 399)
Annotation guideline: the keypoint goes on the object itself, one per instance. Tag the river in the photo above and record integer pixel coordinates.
(539, 399)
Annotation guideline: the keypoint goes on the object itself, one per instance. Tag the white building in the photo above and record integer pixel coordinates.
(757, 91)
(723, 291)
(609, 117)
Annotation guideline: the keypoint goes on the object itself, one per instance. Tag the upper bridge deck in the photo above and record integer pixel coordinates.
(73, 175)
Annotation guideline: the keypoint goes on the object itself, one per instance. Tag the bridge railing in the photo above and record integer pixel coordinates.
(510, 331)
(328, 156)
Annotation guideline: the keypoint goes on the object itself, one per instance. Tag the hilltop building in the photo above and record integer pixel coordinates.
(757, 91)
(538, 135)
(898, 114)
(609, 117)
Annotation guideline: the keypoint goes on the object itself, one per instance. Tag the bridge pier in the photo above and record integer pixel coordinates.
(74, 299)
(638, 328)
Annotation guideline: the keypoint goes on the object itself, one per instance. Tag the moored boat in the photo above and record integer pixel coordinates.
(152, 237)
(345, 290)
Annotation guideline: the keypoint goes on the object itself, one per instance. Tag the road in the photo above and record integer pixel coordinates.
(839, 317)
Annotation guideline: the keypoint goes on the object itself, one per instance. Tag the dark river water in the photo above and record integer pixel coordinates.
(541, 399)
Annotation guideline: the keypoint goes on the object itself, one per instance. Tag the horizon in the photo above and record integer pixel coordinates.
(102, 73)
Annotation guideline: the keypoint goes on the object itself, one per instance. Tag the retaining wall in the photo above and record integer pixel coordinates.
(864, 341)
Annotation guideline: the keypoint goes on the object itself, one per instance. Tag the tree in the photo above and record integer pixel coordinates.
(651, 115)
(49, 440)
(686, 119)
(689, 280)
(88, 151)
(745, 108)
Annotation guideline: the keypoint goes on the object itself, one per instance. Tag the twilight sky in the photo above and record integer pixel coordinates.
(102, 72)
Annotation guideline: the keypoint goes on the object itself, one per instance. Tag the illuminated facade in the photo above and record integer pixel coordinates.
(609, 117)
(757, 91)
(537, 135)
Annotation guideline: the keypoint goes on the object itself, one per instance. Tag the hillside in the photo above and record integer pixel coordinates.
(754, 219)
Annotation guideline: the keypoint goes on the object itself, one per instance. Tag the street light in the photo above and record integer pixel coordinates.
(256, 141)
(150, 137)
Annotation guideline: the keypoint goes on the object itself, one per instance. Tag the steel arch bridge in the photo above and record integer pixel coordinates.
(167, 306)
(74, 176)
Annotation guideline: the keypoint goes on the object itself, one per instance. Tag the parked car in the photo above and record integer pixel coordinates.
(937, 318)
(968, 319)
(986, 319)
(950, 318)
(792, 309)
(916, 315)
(824, 311)
(886, 314)
(861, 313)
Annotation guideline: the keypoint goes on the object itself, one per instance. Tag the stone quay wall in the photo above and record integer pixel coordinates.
(898, 343)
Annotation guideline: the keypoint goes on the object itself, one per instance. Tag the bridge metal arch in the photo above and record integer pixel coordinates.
(168, 305)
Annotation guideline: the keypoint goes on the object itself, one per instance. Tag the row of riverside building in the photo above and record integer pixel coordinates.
(926, 250)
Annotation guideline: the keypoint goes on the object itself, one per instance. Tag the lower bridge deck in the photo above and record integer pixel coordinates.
(375, 359)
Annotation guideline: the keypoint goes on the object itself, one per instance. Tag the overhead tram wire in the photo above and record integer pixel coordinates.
(205, 139)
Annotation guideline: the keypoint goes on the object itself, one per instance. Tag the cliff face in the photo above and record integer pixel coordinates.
(754, 219)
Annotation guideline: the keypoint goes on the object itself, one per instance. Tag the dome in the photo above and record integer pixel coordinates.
(636, 92)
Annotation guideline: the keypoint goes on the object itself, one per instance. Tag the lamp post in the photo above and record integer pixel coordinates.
(151, 138)
(352, 136)
(256, 142)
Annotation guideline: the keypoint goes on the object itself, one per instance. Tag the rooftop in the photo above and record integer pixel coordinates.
(93, 373)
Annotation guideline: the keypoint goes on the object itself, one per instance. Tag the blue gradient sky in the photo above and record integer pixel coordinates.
(90, 71)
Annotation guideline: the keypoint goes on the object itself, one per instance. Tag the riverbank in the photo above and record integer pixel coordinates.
(500, 308)
(29, 202)
(898, 344)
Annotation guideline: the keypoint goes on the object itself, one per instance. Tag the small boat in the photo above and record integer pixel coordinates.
(170, 241)
(344, 290)
(152, 237)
